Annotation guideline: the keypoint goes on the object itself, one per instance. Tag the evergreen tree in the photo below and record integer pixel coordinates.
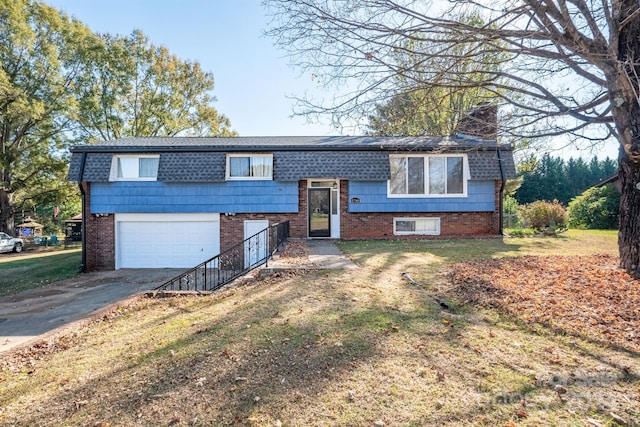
(551, 178)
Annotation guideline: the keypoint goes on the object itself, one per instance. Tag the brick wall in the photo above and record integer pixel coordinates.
(379, 225)
(101, 242)
(482, 121)
(496, 211)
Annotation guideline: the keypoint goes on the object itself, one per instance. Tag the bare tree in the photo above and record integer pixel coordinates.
(437, 111)
(559, 67)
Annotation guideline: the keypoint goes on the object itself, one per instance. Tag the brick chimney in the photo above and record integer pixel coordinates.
(482, 121)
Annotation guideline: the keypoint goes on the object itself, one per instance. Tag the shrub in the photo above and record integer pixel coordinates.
(544, 216)
(510, 212)
(596, 208)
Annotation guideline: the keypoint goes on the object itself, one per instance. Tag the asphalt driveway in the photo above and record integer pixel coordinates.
(30, 315)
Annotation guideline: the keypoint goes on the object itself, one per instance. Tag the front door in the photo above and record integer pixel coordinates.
(319, 212)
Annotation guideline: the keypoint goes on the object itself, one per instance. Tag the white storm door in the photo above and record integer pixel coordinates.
(335, 213)
(256, 248)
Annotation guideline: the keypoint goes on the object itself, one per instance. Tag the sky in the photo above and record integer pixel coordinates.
(253, 80)
(254, 83)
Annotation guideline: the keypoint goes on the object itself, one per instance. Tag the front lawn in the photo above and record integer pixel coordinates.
(359, 347)
(19, 273)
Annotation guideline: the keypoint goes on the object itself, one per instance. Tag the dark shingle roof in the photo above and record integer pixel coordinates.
(352, 165)
(191, 167)
(361, 158)
(485, 165)
(74, 167)
(97, 167)
(285, 143)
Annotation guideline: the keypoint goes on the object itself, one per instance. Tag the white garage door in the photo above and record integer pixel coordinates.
(166, 240)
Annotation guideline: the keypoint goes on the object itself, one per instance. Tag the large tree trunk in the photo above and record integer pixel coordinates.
(628, 126)
(6, 212)
(629, 234)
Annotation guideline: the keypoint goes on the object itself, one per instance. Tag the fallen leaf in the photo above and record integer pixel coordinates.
(80, 403)
(560, 389)
(521, 413)
(585, 295)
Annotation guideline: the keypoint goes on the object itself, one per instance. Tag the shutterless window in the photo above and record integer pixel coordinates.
(250, 166)
(422, 226)
(136, 168)
(426, 175)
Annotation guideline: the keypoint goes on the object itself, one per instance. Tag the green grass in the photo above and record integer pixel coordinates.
(355, 347)
(572, 242)
(19, 274)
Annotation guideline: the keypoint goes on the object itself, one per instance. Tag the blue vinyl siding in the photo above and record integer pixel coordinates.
(373, 198)
(223, 197)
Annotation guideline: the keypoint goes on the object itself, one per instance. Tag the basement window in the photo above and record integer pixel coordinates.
(418, 226)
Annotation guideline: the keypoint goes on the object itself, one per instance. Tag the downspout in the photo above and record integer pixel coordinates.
(83, 265)
(502, 184)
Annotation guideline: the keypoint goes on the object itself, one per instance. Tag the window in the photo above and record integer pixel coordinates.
(135, 168)
(423, 226)
(249, 166)
(421, 175)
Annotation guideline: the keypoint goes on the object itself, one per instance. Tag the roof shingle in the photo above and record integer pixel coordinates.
(354, 158)
(287, 143)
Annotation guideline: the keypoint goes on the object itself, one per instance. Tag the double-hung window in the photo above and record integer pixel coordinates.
(418, 175)
(135, 168)
(249, 166)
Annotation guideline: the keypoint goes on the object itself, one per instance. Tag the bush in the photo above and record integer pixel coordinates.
(510, 212)
(544, 216)
(596, 208)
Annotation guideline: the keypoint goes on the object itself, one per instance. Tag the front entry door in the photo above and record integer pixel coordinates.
(319, 212)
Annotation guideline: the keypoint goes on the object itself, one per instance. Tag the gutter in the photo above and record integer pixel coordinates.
(502, 175)
(113, 149)
(83, 265)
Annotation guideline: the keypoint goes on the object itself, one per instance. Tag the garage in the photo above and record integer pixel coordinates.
(166, 240)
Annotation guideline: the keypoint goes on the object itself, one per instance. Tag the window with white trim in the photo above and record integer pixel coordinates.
(249, 166)
(419, 175)
(422, 226)
(135, 167)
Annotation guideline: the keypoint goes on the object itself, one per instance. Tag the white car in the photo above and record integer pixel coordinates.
(8, 243)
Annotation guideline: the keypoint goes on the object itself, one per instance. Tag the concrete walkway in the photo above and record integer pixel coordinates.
(321, 254)
(35, 314)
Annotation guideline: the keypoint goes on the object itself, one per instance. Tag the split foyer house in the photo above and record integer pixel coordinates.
(175, 202)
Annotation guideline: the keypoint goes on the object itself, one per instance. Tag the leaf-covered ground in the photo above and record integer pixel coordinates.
(583, 295)
(357, 347)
